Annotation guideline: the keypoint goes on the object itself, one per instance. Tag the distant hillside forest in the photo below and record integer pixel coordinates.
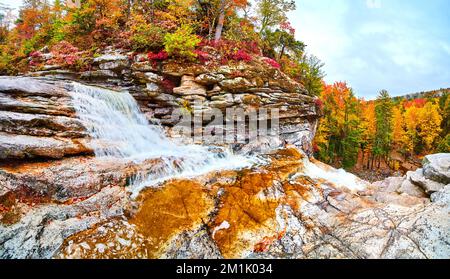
(384, 132)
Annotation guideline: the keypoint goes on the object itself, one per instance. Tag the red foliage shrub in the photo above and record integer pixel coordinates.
(33, 63)
(241, 55)
(232, 50)
(64, 53)
(36, 54)
(35, 59)
(316, 148)
(160, 56)
(202, 56)
(168, 85)
(272, 63)
(319, 104)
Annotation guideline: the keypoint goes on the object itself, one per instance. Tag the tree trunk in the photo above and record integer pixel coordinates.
(220, 23)
(362, 159)
(373, 160)
(282, 52)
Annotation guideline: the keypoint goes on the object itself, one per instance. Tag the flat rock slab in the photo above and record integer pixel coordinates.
(41, 125)
(26, 86)
(26, 147)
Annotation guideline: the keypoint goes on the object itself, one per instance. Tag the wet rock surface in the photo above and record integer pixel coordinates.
(269, 211)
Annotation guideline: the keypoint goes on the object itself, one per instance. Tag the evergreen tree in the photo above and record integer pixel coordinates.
(383, 136)
(352, 133)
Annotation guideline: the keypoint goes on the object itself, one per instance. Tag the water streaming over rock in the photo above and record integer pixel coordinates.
(338, 177)
(120, 130)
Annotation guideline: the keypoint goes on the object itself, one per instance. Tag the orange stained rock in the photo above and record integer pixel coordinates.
(21, 167)
(242, 218)
(115, 239)
(179, 206)
(297, 191)
(245, 211)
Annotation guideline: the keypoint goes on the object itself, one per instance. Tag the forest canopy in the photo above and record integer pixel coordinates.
(176, 28)
(355, 131)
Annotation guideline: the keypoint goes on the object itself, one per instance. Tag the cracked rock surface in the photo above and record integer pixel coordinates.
(270, 211)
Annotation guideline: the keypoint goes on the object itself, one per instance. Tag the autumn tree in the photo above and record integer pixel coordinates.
(398, 129)
(272, 13)
(311, 74)
(369, 128)
(411, 117)
(5, 13)
(339, 132)
(352, 132)
(215, 13)
(429, 125)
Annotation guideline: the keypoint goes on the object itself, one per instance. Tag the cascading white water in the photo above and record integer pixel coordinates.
(338, 177)
(114, 120)
(120, 130)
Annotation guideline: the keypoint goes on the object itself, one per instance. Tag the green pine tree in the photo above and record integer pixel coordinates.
(383, 137)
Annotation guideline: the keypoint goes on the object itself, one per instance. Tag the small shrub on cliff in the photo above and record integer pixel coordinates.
(272, 63)
(319, 104)
(242, 55)
(233, 50)
(203, 57)
(66, 55)
(35, 59)
(146, 36)
(167, 85)
(182, 43)
(160, 56)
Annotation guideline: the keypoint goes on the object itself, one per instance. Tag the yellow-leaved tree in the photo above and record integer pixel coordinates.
(429, 124)
(411, 120)
(398, 133)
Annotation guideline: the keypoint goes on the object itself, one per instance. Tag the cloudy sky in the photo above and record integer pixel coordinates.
(399, 45)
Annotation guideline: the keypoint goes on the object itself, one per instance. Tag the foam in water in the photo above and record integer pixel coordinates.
(120, 130)
(339, 177)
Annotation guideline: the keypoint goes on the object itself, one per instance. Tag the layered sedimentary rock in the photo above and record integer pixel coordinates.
(164, 89)
(37, 120)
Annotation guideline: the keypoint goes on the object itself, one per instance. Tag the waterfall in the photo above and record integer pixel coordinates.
(120, 130)
(338, 177)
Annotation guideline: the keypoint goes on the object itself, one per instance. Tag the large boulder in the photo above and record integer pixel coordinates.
(428, 185)
(43, 229)
(437, 167)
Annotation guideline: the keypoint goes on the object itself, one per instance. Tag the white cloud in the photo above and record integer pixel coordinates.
(373, 4)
